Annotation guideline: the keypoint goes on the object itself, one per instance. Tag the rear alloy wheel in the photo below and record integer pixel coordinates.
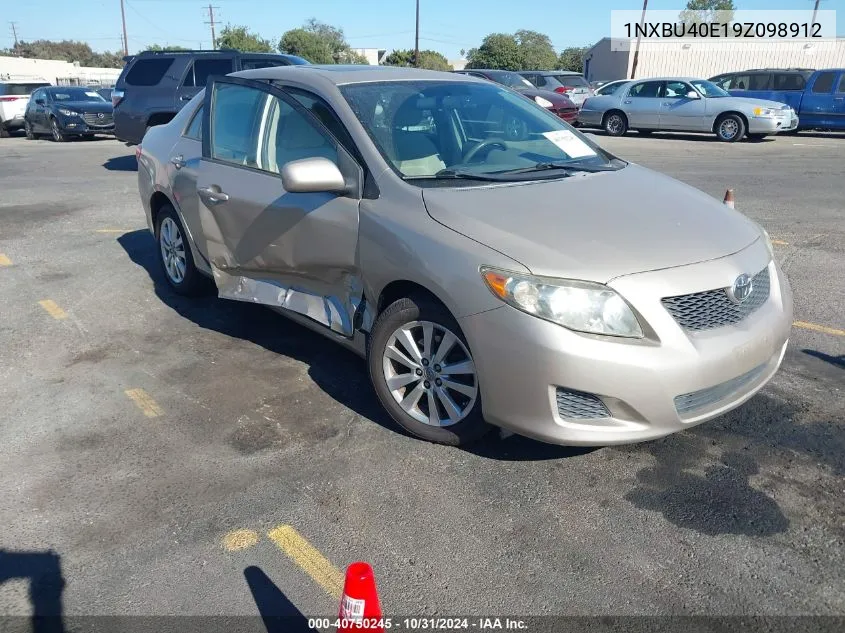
(57, 134)
(28, 129)
(615, 124)
(730, 128)
(424, 374)
(175, 254)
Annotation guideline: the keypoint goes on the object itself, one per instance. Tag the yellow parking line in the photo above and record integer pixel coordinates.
(780, 243)
(53, 309)
(145, 402)
(5, 261)
(819, 328)
(239, 539)
(308, 558)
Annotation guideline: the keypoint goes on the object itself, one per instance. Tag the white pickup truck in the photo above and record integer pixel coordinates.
(14, 95)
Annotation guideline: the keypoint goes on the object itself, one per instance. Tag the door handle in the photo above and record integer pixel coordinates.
(212, 194)
(186, 97)
(667, 103)
(627, 101)
(178, 161)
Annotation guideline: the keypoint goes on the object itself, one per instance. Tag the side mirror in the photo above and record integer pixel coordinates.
(692, 94)
(310, 175)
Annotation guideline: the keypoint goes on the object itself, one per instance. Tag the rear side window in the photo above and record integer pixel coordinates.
(824, 83)
(649, 89)
(194, 130)
(19, 90)
(205, 68)
(572, 81)
(148, 72)
(252, 64)
(789, 81)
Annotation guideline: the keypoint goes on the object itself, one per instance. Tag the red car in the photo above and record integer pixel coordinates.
(555, 102)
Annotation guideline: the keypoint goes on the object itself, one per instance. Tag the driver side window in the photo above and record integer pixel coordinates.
(677, 90)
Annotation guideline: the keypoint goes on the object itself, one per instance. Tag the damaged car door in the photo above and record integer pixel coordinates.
(292, 249)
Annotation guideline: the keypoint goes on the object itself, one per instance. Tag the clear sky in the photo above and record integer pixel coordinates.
(445, 25)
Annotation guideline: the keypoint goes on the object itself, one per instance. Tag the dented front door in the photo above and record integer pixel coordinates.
(265, 245)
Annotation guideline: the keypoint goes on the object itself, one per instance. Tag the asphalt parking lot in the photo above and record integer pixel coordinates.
(165, 455)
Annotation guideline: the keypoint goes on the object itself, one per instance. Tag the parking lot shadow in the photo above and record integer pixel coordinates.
(44, 572)
(338, 372)
(122, 163)
(279, 614)
(836, 361)
(679, 136)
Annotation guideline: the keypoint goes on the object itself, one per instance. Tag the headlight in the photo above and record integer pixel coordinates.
(68, 112)
(543, 102)
(583, 306)
(765, 112)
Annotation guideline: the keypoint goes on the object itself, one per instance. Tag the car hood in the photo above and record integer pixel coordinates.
(595, 226)
(85, 106)
(751, 102)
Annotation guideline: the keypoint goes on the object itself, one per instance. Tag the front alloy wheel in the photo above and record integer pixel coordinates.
(30, 135)
(58, 136)
(423, 372)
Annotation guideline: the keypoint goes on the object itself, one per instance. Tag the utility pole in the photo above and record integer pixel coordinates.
(211, 22)
(15, 32)
(417, 38)
(815, 10)
(125, 39)
(637, 49)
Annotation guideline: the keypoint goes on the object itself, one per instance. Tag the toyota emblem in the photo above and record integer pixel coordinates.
(741, 289)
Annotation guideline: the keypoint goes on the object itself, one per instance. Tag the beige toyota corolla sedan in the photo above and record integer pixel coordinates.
(530, 281)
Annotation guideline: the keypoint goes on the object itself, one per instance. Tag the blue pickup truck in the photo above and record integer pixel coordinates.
(818, 96)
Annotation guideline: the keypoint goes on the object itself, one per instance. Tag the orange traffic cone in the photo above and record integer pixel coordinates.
(729, 198)
(359, 601)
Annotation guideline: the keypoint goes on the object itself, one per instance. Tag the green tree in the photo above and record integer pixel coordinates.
(699, 11)
(320, 44)
(432, 60)
(537, 50)
(242, 39)
(497, 50)
(165, 47)
(65, 50)
(572, 59)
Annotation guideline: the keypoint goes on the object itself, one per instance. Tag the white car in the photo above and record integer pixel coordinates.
(14, 97)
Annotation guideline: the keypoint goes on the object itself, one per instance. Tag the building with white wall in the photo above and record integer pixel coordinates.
(56, 72)
(374, 56)
(611, 59)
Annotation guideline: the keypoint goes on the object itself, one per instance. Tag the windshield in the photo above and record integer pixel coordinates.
(708, 89)
(19, 90)
(75, 94)
(512, 80)
(424, 127)
(572, 81)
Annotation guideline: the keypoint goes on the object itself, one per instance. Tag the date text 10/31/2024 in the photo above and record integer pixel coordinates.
(417, 624)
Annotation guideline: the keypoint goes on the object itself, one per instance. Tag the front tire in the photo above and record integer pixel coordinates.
(30, 135)
(175, 256)
(615, 123)
(423, 372)
(56, 134)
(730, 128)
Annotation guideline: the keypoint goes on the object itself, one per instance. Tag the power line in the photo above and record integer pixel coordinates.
(211, 22)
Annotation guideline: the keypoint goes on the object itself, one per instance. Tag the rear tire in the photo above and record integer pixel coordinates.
(174, 254)
(424, 372)
(615, 123)
(730, 128)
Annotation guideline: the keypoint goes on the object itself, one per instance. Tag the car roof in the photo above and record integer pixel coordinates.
(341, 74)
(669, 79)
(550, 72)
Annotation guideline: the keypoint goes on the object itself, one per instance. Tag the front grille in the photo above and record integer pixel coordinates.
(690, 402)
(713, 308)
(579, 405)
(93, 119)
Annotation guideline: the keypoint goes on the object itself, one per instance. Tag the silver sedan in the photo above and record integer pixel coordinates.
(685, 105)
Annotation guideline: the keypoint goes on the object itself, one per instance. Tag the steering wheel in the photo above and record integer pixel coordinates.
(487, 144)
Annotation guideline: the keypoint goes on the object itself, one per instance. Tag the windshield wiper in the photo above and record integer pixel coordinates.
(449, 174)
(568, 167)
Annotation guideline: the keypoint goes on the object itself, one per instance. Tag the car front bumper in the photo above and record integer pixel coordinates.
(77, 125)
(643, 384)
(569, 115)
(772, 125)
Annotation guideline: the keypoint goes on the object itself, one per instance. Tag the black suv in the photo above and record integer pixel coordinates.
(154, 85)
